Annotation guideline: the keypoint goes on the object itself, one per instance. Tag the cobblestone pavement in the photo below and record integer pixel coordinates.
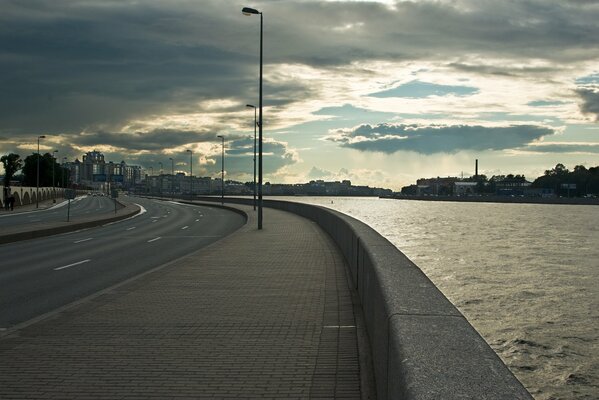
(259, 314)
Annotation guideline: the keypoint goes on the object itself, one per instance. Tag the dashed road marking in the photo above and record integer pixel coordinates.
(72, 265)
(155, 239)
(82, 240)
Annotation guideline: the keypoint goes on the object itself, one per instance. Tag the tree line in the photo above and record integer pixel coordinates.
(50, 172)
(561, 180)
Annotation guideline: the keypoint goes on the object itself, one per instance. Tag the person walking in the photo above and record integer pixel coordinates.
(11, 202)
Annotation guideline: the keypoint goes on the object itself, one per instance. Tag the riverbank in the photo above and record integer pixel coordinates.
(503, 199)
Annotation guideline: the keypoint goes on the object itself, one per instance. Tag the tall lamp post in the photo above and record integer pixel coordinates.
(222, 171)
(250, 11)
(37, 184)
(62, 169)
(172, 178)
(53, 186)
(255, 125)
(190, 174)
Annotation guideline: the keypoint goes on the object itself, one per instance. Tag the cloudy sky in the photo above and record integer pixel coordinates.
(379, 92)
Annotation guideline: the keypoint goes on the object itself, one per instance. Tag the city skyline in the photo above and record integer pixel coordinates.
(377, 92)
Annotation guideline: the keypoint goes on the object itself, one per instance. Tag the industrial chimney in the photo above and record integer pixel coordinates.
(476, 169)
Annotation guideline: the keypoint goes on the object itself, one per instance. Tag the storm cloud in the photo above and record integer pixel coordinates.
(388, 138)
(68, 65)
(590, 100)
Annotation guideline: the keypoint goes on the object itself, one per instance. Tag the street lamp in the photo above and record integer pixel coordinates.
(37, 184)
(172, 178)
(222, 171)
(190, 174)
(53, 188)
(255, 124)
(250, 11)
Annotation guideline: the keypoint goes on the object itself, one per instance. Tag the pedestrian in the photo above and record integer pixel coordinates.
(11, 201)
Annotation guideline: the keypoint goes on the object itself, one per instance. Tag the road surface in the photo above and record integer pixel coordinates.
(40, 275)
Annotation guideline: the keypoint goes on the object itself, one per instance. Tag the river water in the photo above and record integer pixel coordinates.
(526, 276)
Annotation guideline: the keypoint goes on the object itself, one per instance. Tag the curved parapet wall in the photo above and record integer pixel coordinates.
(422, 346)
(27, 195)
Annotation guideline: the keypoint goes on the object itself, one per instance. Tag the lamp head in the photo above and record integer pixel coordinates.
(41, 137)
(249, 11)
(250, 106)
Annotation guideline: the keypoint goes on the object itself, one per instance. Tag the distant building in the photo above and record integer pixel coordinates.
(464, 188)
(512, 186)
(436, 186)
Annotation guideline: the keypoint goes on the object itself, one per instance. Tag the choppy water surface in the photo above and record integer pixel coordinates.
(525, 275)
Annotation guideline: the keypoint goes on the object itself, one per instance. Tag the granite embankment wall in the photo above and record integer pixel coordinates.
(422, 346)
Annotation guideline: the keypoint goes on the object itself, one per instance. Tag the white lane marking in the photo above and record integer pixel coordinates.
(155, 239)
(198, 220)
(72, 265)
(35, 220)
(142, 210)
(339, 326)
(154, 220)
(185, 227)
(129, 229)
(82, 240)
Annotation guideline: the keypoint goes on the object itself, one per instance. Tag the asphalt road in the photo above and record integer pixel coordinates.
(38, 276)
(82, 206)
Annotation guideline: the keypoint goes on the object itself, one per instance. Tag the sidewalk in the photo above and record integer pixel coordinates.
(44, 204)
(259, 314)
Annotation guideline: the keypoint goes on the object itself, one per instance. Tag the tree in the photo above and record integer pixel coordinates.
(47, 162)
(12, 163)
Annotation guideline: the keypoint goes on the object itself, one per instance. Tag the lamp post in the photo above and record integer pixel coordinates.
(255, 124)
(222, 171)
(172, 178)
(53, 186)
(37, 184)
(250, 11)
(190, 174)
(64, 183)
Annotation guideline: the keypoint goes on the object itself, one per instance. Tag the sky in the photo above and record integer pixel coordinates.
(378, 92)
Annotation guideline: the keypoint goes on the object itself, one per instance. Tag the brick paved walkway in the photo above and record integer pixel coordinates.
(260, 314)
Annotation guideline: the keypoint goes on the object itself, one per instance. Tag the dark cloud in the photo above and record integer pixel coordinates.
(333, 33)
(156, 140)
(590, 100)
(507, 70)
(71, 66)
(590, 148)
(387, 138)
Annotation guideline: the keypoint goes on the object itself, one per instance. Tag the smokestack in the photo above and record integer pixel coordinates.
(476, 169)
